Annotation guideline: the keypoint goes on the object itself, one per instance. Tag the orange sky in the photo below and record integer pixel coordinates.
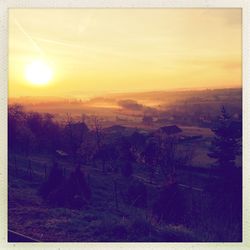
(95, 51)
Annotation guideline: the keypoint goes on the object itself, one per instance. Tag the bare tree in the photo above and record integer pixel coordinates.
(99, 147)
(97, 127)
(172, 156)
(75, 133)
(87, 148)
(151, 156)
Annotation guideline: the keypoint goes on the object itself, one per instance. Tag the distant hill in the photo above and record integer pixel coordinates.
(150, 96)
(153, 103)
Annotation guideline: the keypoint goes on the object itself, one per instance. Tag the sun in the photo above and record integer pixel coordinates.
(38, 72)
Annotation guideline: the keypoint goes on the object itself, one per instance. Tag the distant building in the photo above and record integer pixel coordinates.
(170, 130)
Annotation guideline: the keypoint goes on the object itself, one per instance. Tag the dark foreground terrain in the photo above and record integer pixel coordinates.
(172, 176)
(109, 217)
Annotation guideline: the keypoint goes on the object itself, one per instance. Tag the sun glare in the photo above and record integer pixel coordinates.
(38, 72)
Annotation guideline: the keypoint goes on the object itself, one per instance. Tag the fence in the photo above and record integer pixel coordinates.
(37, 172)
(30, 169)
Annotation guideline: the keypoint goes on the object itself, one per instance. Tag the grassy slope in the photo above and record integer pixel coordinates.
(100, 221)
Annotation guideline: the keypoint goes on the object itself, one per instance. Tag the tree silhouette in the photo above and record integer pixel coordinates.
(16, 119)
(137, 141)
(126, 157)
(169, 157)
(226, 189)
(151, 156)
(75, 133)
(99, 141)
(51, 133)
(87, 149)
(226, 143)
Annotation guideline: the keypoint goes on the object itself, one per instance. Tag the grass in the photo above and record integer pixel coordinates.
(101, 220)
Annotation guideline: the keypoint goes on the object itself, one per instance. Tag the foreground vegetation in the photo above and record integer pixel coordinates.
(71, 183)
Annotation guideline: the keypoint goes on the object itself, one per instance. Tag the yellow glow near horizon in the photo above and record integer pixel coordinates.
(38, 72)
(97, 51)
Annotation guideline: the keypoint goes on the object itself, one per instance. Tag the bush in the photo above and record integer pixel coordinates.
(179, 233)
(225, 199)
(72, 192)
(108, 230)
(54, 181)
(140, 229)
(126, 169)
(137, 194)
(169, 205)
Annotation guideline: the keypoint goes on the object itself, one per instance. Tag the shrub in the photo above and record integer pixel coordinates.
(140, 229)
(171, 233)
(137, 194)
(126, 169)
(72, 192)
(54, 181)
(169, 206)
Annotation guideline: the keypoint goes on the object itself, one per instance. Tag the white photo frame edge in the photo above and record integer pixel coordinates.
(7, 4)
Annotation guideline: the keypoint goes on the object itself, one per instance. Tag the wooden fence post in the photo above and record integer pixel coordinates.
(45, 171)
(29, 169)
(191, 189)
(88, 179)
(15, 166)
(115, 194)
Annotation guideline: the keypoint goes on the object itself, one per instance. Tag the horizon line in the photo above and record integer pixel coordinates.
(72, 96)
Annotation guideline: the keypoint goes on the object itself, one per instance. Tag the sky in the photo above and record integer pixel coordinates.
(97, 51)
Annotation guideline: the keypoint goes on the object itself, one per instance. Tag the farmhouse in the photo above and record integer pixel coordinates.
(170, 130)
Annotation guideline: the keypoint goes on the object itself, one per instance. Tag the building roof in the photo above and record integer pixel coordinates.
(169, 130)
